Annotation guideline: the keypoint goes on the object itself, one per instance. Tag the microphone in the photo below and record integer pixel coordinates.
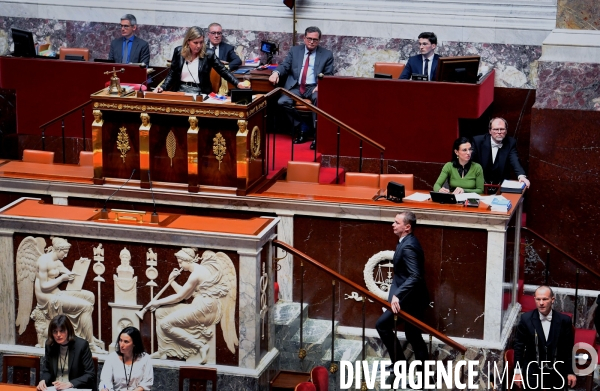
(154, 217)
(104, 211)
(140, 93)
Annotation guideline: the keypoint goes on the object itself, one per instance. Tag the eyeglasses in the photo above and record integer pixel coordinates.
(216, 33)
(498, 130)
(125, 26)
(312, 39)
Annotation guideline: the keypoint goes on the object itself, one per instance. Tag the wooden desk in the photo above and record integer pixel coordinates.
(288, 380)
(40, 171)
(15, 387)
(226, 149)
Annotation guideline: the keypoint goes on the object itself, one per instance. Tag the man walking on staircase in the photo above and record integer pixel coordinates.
(408, 291)
(544, 347)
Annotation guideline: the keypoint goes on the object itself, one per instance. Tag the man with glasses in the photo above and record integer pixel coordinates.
(129, 48)
(303, 65)
(497, 153)
(424, 63)
(224, 51)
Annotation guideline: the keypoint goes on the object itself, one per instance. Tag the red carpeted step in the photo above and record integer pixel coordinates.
(585, 335)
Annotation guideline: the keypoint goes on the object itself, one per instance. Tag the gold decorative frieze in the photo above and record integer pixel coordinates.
(123, 142)
(178, 110)
(257, 108)
(171, 145)
(219, 148)
(255, 142)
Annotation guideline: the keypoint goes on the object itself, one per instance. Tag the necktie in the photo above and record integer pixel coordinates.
(426, 71)
(304, 72)
(126, 51)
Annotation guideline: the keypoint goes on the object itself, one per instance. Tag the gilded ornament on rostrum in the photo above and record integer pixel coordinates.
(219, 148)
(255, 142)
(123, 142)
(171, 146)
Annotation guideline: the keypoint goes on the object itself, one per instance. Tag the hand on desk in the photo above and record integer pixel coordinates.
(443, 190)
(59, 385)
(274, 78)
(243, 85)
(458, 190)
(159, 89)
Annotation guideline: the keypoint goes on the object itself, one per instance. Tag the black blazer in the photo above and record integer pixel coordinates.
(227, 53)
(81, 365)
(558, 347)
(409, 274)
(415, 65)
(506, 158)
(173, 79)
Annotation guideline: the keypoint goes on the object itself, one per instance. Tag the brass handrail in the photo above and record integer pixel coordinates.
(563, 252)
(407, 317)
(65, 114)
(339, 123)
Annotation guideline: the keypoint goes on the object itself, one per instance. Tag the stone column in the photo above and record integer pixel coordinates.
(249, 308)
(285, 274)
(494, 278)
(7, 289)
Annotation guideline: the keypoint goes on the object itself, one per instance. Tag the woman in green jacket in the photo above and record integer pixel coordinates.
(463, 175)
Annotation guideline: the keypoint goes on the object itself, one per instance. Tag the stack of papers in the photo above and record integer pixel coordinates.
(417, 197)
(500, 204)
(512, 186)
(253, 62)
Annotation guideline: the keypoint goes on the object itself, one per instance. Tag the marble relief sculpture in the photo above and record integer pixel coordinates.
(41, 272)
(186, 331)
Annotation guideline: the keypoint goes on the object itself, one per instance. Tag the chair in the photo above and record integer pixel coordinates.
(404, 179)
(35, 156)
(95, 360)
(83, 52)
(305, 386)
(298, 171)
(389, 68)
(215, 81)
(21, 369)
(509, 360)
(320, 378)
(198, 377)
(86, 158)
(362, 179)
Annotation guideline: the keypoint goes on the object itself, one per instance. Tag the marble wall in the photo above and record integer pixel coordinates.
(578, 14)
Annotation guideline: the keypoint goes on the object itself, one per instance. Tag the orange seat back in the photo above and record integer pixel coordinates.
(86, 158)
(303, 171)
(35, 156)
(74, 52)
(362, 179)
(404, 179)
(215, 81)
(389, 68)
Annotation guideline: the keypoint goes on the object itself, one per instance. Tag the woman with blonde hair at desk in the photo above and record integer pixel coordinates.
(68, 359)
(191, 65)
(463, 175)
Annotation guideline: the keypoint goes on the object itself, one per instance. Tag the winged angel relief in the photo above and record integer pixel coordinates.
(185, 330)
(42, 271)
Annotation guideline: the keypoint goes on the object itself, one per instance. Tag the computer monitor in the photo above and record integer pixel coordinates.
(23, 40)
(458, 69)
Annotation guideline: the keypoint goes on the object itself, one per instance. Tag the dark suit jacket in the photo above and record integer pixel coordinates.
(505, 159)
(408, 284)
(173, 79)
(415, 65)
(558, 347)
(140, 51)
(81, 365)
(292, 65)
(227, 53)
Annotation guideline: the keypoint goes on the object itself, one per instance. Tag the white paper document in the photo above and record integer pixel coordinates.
(512, 184)
(463, 196)
(418, 197)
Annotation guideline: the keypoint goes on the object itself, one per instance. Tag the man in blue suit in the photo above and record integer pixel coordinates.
(303, 65)
(223, 50)
(129, 48)
(408, 291)
(424, 63)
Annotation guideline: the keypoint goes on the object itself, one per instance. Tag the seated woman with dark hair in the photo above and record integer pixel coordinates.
(191, 65)
(128, 367)
(68, 359)
(463, 175)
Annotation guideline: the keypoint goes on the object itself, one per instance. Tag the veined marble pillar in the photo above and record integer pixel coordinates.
(249, 303)
(7, 289)
(494, 279)
(285, 274)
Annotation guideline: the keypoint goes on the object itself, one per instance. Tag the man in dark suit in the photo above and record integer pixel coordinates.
(303, 65)
(408, 291)
(424, 63)
(129, 48)
(497, 153)
(224, 51)
(544, 346)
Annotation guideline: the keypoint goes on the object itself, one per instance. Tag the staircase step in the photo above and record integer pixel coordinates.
(286, 317)
(315, 333)
(345, 349)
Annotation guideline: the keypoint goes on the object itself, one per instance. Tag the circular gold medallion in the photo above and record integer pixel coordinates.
(120, 106)
(255, 142)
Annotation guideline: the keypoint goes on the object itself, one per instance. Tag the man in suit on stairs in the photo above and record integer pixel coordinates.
(544, 346)
(129, 48)
(303, 65)
(408, 291)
